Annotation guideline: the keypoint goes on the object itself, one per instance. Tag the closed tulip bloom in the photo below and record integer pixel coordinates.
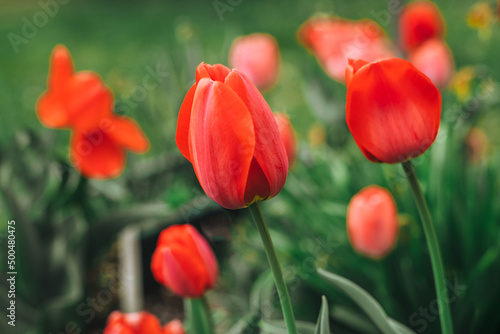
(392, 109)
(184, 262)
(418, 22)
(80, 101)
(228, 132)
(434, 59)
(258, 56)
(372, 223)
(174, 327)
(333, 40)
(287, 137)
(133, 323)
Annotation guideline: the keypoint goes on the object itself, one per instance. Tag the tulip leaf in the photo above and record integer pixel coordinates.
(249, 324)
(278, 327)
(323, 324)
(367, 303)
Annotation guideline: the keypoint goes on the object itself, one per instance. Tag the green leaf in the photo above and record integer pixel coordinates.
(249, 324)
(323, 324)
(278, 327)
(367, 303)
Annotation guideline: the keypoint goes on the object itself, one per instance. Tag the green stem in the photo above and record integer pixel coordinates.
(433, 245)
(286, 304)
(198, 316)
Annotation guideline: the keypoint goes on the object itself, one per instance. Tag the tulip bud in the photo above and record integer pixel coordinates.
(184, 262)
(288, 137)
(228, 132)
(372, 223)
(258, 56)
(434, 59)
(392, 109)
(132, 323)
(174, 327)
(418, 22)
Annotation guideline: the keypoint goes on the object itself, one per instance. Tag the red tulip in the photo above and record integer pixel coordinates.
(81, 102)
(228, 132)
(174, 327)
(332, 40)
(287, 137)
(419, 21)
(372, 223)
(184, 262)
(392, 109)
(99, 152)
(258, 56)
(72, 99)
(434, 59)
(132, 323)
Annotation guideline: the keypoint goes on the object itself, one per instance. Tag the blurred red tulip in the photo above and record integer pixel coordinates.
(434, 59)
(174, 327)
(418, 22)
(392, 109)
(132, 323)
(81, 102)
(333, 40)
(228, 132)
(72, 98)
(99, 152)
(258, 56)
(184, 262)
(287, 137)
(372, 223)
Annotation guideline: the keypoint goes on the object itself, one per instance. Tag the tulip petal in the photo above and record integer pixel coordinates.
(183, 121)
(206, 254)
(215, 72)
(51, 112)
(269, 149)
(126, 133)
(61, 68)
(224, 144)
(96, 155)
(392, 110)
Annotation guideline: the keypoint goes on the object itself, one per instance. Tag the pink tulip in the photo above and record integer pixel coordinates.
(372, 222)
(258, 57)
(434, 59)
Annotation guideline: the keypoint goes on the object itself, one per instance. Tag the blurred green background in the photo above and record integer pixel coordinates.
(67, 227)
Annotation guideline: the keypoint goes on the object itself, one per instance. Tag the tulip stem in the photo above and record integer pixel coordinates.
(198, 316)
(286, 304)
(434, 252)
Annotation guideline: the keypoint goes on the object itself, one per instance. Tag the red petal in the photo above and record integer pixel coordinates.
(215, 72)
(222, 142)
(96, 155)
(353, 65)
(392, 110)
(126, 133)
(269, 150)
(183, 121)
(61, 68)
